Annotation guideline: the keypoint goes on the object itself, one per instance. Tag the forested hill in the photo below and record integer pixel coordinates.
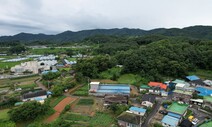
(198, 32)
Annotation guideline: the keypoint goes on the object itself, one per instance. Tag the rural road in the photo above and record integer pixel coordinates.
(152, 113)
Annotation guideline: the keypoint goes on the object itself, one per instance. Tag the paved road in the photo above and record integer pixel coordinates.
(37, 81)
(154, 111)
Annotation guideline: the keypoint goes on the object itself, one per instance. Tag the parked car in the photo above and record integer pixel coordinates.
(163, 112)
(195, 121)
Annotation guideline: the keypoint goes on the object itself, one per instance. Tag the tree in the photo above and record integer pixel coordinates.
(51, 75)
(28, 111)
(57, 90)
(158, 125)
(17, 49)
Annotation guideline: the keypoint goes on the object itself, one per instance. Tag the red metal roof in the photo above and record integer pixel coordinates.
(159, 84)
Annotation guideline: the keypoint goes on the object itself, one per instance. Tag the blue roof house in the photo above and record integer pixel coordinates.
(138, 111)
(169, 121)
(192, 78)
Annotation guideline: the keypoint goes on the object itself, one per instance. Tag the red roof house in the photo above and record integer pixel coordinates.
(158, 84)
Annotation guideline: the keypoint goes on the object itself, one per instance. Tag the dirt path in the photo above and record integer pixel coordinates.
(59, 108)
(37, 81)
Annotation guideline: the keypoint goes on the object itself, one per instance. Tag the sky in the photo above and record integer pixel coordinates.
(55, 16)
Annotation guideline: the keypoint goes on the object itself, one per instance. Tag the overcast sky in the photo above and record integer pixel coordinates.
(54, 16)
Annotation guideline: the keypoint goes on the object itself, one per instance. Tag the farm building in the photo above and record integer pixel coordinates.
(98, 89)
(37, 96)
(115, 99)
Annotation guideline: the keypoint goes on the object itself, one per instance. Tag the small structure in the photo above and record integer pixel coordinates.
(155, 90)
(144, 87)
(38, 96)
(46, 72)
(115, 99)
(138, 111)
(194, 80)
(208, 83)
(127, 119)
(196, 101)
(186, 123)
(148, 100)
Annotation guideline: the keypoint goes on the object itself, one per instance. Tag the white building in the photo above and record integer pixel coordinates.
(31, 66)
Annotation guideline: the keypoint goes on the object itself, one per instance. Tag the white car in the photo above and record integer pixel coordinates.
(195, 121)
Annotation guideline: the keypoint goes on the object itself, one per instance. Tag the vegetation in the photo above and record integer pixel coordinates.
(117, 109)
(83, 91)
(56, 100)
(28, 111)
(157, 125)
(85, 102)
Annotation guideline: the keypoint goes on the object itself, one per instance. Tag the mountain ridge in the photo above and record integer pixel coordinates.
(198, 32)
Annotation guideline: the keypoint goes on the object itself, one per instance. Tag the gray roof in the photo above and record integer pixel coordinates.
(34, 94)
(148, 97)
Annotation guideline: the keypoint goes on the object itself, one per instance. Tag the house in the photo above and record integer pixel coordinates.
(148, 100)
(169, 121)
(37, 95)
(194, 80)
(177, 109)
(115, 99)
(182, 95)
(138, 111)
(127, 119)
(158, 84)
(155, 90)
(186, 123)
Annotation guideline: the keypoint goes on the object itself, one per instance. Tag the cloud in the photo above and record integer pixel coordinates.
(54, 16)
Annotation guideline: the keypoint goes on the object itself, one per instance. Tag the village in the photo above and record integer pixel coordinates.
(180, 102)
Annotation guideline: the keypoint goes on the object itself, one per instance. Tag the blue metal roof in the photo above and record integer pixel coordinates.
(174, 115)
(170, 120)
(46, 72)
(192, 77)
(137, 109)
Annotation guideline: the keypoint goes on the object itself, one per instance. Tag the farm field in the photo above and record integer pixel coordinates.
(3, 114)
(129, 79)
(98, 120)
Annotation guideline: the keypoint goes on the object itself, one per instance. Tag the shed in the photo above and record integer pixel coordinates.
(192, 78)
(170, 121)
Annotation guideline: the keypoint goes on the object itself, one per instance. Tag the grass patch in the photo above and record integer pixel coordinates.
(7, 65)
(83, 91)
(129, 79)
(42, 51)
(4, 115)
(56, 100)
(71, 59)
(85, 102)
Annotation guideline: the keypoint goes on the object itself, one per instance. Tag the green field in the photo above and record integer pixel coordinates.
(29, 86)
(177, 108)
(129, 79)
(85, 102)
(8, 64)
(43, 51)
(3, 114)
(83, 91)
